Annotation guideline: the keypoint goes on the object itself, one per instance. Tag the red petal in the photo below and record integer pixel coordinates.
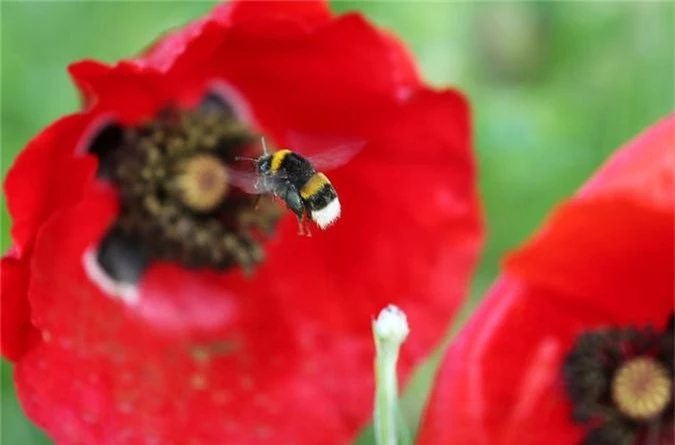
(306, 14)
(312, 13)
(47, 176)
(611, 254)
(500, 380)
(103, 375)
(340, 68)
(125, 92)
(642, 169)
(18, 333)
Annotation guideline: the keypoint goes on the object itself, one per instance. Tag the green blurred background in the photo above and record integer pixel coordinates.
(555, 88)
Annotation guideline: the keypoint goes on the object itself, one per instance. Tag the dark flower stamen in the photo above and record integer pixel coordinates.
(620, 381)
(176, 200)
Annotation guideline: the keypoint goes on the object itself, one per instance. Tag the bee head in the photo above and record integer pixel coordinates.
(264, 164)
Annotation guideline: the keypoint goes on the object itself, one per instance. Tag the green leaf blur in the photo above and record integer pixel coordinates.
(555, 87)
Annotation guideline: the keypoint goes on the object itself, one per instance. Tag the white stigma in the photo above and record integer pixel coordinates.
(392, 325)
(328, 215)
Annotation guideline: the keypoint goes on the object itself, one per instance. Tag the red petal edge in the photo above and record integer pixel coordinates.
(642, 169)
(612, 245)
(46, 176)
(17, 334)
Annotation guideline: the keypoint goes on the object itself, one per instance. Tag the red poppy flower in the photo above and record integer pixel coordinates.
(146, 300)
(571, 345)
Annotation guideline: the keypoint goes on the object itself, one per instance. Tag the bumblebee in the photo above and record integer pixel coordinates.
(306, 191)
(292, 178)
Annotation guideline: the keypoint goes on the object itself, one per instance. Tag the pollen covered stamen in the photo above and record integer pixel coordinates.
(173, 174)
(203, 182)
(620, 383)
(642, 388)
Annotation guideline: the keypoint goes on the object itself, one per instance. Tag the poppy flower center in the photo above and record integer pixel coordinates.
(202, 182)
(642, 388)
(177, 201)
(620, 382)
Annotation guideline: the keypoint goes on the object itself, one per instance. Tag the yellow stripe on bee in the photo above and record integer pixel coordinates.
(313, 185)
(277, 159)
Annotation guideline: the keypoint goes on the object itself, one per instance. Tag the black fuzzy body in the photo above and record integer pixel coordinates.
(322, 198)
(296, 170)
(292, 173)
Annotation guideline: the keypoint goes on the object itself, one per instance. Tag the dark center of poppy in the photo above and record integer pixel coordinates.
(620, 382)
(177, 202)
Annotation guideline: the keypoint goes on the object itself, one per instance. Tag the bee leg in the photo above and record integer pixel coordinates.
(296, 205)
(307, 223)
(301, 226)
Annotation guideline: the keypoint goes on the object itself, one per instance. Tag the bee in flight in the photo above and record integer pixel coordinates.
(294, 179)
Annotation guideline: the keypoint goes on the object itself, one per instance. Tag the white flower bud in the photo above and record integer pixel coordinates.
(390, 330)
(392, 325)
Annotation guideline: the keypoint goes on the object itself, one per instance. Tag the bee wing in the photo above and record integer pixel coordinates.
(247, 181)
(325, 152)
(336, 156)
(252, 183)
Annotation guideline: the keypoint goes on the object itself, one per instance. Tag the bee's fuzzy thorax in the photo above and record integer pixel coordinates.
(277, 160)
(327, 215)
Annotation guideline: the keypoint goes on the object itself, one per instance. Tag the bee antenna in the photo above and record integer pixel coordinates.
(244, 158)
(264, 145)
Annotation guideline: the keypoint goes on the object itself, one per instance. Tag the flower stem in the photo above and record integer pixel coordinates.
(390, 331)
